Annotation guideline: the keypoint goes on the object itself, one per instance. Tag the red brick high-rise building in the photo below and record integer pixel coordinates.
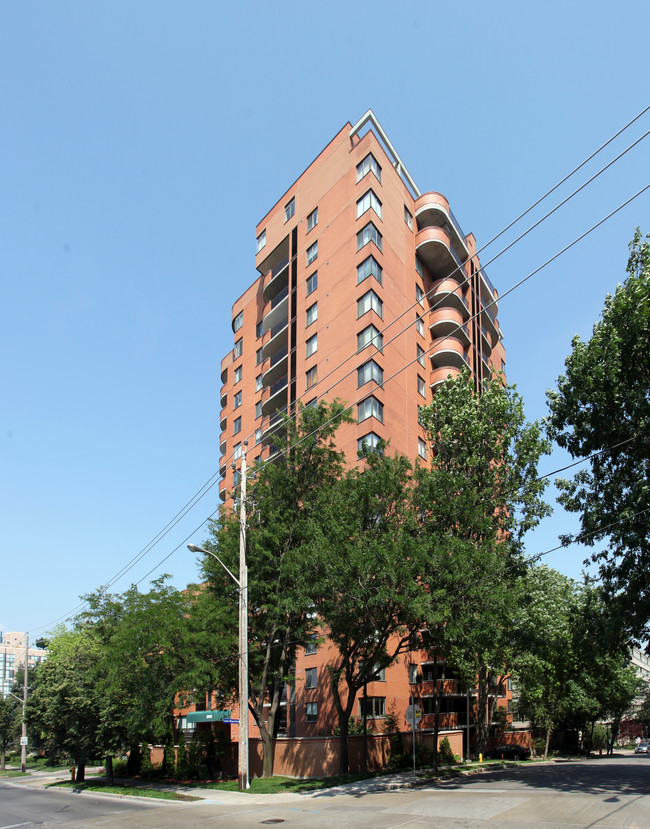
(368, 291)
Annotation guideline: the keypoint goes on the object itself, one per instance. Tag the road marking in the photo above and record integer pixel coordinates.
(13, 825)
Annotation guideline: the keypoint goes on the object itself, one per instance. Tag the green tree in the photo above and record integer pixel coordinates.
(286, 501)
(366, 566)
(477, 499)
(602, 405)
(65, 704)
(10, 721)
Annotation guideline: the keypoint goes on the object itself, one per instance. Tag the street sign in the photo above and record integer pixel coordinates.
(414, 716)
(23, 741)
(232, 722)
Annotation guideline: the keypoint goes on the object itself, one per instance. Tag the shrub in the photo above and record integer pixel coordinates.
(445, 754)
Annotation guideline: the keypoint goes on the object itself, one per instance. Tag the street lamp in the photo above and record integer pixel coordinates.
(242, 584)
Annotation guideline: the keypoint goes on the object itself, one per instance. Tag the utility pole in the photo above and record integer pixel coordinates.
(23, 731)
(243, 762)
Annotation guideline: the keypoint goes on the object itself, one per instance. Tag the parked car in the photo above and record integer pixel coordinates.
(509, 752)
(642, 748)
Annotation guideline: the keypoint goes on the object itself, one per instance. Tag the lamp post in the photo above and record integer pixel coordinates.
(242, 583)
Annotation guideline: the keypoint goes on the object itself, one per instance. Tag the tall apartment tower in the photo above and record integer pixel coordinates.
(368, 291)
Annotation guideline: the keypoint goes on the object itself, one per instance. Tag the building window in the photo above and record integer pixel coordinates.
(311, 377)
(311, 711)
(259, 330)
(238, 374)
(408, 218)
(258, 436)
(419, 295)
(261, 241)
(236, 426)
(369, 443)
(369, 233)
(370, 335)
(236, 452)
(368, 200)
(420, 353)
(370, 371)
(237, 400)
(312, 219)
(368, 165)
(236, 478)
(370, 407)
(237, 350)
(289, 209)
(312, 345)
(311, 647)
(311, 677)
(258, 409)
(372, 707)
(258, 356)
(238, 321)
(414, 674)
(419, 325)
(369, 267)
(312, 313)
(369, 301)
(378, 674)
(312, 253)
(418, 265)
(422, 449)
(312, 283)
(258, 383)
(422, 389)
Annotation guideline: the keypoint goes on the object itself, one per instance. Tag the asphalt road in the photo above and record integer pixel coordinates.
(601, 793)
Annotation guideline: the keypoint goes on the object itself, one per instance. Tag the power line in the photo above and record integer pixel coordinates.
(213, 479)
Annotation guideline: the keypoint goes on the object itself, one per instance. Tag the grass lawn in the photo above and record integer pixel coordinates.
(95, 785)
(273, 785)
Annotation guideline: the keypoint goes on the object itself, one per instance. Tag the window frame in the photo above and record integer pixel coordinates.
(311, 712)
(236, 425)
(261, 241)
(311, 377)
(311, 345)
(311, 678)
(369, 233)
(373, 201)
(238, 348)
(238, 321)
(374, 303)
(372, 439)
(376, 339)
(375, 704)
(408, 218)
(370, 267)
(364, 168)
(312, 219)
(311, 314)
(237, 399)
(312, 253)
(375, 371)
(312, 283)
(372, 407)
(290, 209)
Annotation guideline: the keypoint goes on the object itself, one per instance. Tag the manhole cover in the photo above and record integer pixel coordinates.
(273, 820)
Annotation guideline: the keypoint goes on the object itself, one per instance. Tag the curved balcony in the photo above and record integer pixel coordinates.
(279, 280)
(488, 292)
(434, 249)
(272, 261)
(222, 467)
(447, 294)
(439, 376)
(432, 210)
(486, 341)
(448, 322)
(222, 490)
(274, 429)
(489, 319)
(223, 422)
(279, 367)
(277, 314)
(449, 354)
(224, 398)
(279, 339)
(223, 444)
(278, 398)
(225, 363)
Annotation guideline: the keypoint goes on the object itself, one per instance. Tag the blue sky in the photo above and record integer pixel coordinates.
(143, 141)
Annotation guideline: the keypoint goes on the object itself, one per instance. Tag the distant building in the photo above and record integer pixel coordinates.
(12, 657)
(641, 663)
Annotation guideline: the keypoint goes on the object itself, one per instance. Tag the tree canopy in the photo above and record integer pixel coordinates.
(602, 405)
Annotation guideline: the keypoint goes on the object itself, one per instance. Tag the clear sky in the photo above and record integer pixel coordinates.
(140, 144)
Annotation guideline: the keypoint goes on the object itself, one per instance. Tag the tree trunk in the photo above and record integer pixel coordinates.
(81, 771)
(268, 745)
(2, 758)
(109, 770)
(549, 728)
